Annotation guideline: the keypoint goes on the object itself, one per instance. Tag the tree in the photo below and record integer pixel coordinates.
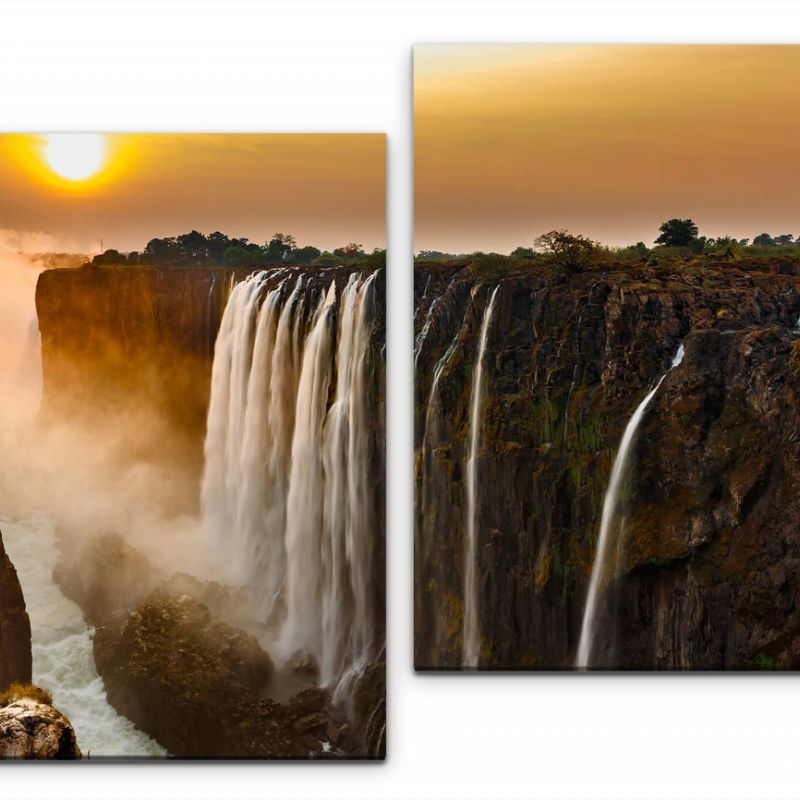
(217, 244)
(677, 233)
(763, 239)
(238, 256)
(304, 255)
(784, 238)
(572, 251)
(279, 247)
(522, 252)
(326, 259)
(350, 252)
(193, 246)
(108, 257)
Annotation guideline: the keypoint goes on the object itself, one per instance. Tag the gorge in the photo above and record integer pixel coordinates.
(181, 495)
(708, 572)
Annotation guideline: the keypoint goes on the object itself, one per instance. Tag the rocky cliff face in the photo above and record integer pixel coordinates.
(15, 626)
(710, 575)
(134, 342)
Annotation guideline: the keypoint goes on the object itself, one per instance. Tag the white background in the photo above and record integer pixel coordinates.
(339, 66)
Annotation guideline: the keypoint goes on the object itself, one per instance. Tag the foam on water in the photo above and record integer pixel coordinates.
(63, 662)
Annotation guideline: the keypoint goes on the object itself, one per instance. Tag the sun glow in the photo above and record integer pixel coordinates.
(75, 156)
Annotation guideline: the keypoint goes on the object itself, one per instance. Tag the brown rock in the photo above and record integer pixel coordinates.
(32, 730)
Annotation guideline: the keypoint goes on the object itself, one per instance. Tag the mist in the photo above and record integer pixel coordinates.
(83, 469)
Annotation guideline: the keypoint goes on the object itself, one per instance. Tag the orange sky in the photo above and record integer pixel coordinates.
(604, 140)
(325, 190)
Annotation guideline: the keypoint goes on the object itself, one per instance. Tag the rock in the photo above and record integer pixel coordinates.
(179, 674)
(199, 687)
(33, 730)
(368, 703)
(713, 505)
(15, 626)
(303, 664)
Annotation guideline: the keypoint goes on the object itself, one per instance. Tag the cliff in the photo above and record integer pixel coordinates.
(15, 626)
(127, 350)
(134, 341)
(711, 558)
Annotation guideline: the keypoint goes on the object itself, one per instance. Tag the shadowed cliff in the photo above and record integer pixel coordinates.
(710, 573)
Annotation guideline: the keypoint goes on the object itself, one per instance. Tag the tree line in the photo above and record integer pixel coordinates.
(680, 234)
(218, 249)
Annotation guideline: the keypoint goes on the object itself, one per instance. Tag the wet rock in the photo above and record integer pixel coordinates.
(33, 730)
(710, 506)
(303, 664)
(15, 626)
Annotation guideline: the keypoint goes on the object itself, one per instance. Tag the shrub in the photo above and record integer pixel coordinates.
(22, 691)
(575, 252)
(491, 266)
(326, 259)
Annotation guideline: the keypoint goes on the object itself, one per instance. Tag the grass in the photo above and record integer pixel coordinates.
(23, 691)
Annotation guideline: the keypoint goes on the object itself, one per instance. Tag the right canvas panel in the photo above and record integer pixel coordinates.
(607, 356)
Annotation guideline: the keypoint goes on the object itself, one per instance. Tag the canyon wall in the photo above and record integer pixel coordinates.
(15, 626)
(711, 558)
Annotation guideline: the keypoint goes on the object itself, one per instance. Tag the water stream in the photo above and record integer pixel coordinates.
(607, 557)
(63, 660)
(471, 644)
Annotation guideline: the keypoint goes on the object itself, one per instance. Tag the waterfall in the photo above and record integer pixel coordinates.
(286, 486)
(604, 555)
(471, 643)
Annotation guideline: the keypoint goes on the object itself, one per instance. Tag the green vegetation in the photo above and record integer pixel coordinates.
(678, 240)
(763, 662)
(22, 691)
(216, 249)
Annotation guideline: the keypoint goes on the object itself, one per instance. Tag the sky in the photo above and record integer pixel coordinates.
(608, 141)
(325, 190)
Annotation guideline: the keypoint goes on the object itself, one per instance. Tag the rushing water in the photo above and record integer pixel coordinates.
(606, 560)
(471, 644)
(63, 661)
(286, 485)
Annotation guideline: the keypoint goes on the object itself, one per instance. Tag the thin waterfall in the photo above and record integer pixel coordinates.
(471, 642)
(603, 569)
(286, 487)
(429, 496)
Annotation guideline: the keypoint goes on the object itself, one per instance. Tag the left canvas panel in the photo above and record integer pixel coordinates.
(192, 480)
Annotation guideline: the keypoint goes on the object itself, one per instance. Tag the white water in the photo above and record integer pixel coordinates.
(63, 662)
(471, 642)
(603, 570)
(286, 486)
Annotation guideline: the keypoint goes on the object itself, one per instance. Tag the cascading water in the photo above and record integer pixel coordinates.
(606, 560)
(471, 643)
(63, 660)
(286, 485)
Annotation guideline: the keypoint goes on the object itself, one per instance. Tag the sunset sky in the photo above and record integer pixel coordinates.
(607, 141)
(326, 190)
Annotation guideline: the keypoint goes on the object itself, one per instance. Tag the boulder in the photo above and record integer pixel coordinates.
(33, 730)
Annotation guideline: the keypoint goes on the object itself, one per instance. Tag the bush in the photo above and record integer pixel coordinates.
(23, 691)
(490, 266)
(326, 259)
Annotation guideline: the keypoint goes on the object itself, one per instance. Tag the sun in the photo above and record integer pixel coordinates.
(75, 156)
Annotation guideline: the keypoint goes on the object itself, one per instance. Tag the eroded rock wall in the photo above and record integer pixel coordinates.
(713, 528)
